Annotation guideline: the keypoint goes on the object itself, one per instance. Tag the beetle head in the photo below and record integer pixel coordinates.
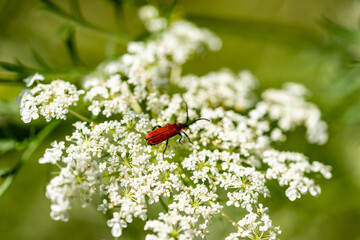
(181, 126)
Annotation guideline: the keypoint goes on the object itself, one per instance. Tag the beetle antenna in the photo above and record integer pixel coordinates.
(198, 120)
(187, 113)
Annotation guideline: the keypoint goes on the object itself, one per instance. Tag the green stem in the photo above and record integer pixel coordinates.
(81, 117)
(76, 9)
(11, 174)
(7, 77)
(119, 15)
(11, 81)
(163, 204)
(71, 47)
(187, 181)
(227, 217)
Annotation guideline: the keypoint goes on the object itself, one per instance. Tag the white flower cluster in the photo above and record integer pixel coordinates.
(232, 157)
(79, 171)
(227, 89)
(255, 226)
(49, 100)
(290, 168)
(188, 216)
(289, 107)
(145, 68)
(149, 14)
(110, 96)
(247, 182)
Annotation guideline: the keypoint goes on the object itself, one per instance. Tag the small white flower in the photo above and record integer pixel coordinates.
(31, 79)
(148, 12)
(116, 224)
(292, 194)
(277, 135)
(53, 155)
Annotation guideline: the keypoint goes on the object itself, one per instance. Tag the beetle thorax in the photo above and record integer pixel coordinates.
(181, 126)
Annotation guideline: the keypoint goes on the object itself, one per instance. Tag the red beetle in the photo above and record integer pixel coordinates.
(161, 134)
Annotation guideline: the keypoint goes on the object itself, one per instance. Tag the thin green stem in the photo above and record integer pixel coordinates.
(163, 204)
(187, 181)
(81, 117)
(71, 47)
(76, 8)
(227, 217)
(39, 59)
(9, 81)
(7, 77)
(119, 15)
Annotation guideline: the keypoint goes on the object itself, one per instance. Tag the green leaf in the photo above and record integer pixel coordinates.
(75, 8)
(79, 21)
(7, 145)
(338, 30)
(13, 67)
(71, 46)
(9, 108)
(33, 146)
(6, 184)
(4, 171)
(39, 59)
(23, 144)
(286, 34)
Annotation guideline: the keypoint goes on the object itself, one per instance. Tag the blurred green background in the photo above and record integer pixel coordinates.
(316, 43)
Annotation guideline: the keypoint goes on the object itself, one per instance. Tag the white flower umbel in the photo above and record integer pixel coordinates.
(289, 108)
(290, 169)
(230, 159)
(49, 100)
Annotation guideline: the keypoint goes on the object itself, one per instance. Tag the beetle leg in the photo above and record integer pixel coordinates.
(167, 141)
(156, 127)
(187, 136)
(181, 136)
